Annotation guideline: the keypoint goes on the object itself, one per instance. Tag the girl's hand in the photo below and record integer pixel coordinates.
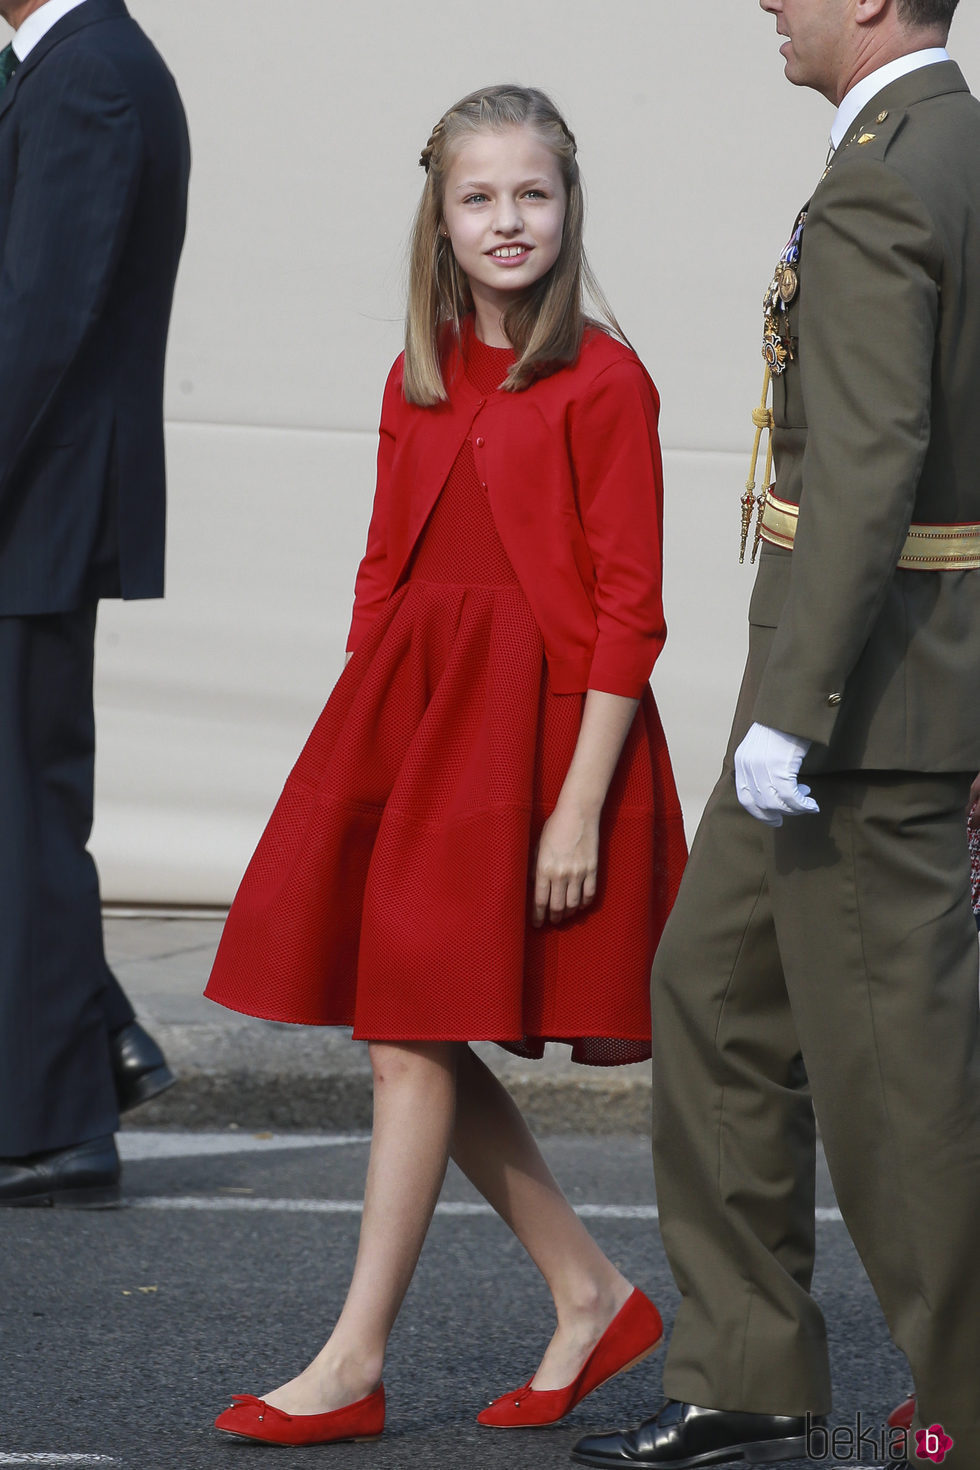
(974, 807)
(567, 861)
(567, 864)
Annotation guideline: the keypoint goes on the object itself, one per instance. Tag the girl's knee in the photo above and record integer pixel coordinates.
(395, 1061)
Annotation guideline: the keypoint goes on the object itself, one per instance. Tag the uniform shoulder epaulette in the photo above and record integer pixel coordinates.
(874, 132)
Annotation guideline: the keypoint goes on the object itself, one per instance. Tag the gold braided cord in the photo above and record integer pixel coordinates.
(763, 420)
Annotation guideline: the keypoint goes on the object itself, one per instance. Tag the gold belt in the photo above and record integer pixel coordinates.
(926, 549)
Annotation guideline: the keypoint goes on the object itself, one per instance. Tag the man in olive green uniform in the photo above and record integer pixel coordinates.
(822, 954)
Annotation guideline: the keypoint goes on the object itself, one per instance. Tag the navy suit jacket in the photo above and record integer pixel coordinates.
(94, 163)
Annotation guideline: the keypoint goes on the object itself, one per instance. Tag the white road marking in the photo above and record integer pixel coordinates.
(135, 1145)
(48, 1457)
(204, 1203)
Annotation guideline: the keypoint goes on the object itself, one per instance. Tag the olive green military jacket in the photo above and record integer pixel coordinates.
(878, 425)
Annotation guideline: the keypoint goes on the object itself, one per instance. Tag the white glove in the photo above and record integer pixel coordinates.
(767, 764)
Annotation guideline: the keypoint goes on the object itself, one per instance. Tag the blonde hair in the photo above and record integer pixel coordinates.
(546, 323)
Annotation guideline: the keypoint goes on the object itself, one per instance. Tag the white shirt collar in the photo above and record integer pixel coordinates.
(861, 94)
(38, 23)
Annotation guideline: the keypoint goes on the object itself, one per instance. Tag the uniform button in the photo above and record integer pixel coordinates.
(833, 699)
(480, 443)
(483, 484)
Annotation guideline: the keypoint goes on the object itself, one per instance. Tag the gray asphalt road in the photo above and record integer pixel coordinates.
(124, 1332)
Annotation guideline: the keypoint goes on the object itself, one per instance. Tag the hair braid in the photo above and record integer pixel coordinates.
(435, 137)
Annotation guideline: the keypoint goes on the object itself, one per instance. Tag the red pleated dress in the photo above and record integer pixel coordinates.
(391, 888)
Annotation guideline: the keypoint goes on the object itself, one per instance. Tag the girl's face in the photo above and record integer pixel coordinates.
(504, 211)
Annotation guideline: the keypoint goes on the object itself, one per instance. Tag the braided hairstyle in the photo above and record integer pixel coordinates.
(544, 324)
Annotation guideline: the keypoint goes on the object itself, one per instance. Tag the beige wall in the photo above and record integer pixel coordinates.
(307, 118)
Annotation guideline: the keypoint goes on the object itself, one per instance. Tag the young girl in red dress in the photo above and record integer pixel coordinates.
(481, 839)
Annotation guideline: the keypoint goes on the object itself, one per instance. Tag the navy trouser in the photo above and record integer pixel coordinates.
(58, 999)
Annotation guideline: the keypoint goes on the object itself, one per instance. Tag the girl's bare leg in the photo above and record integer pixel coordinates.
(495, 1149)
(414, 1094)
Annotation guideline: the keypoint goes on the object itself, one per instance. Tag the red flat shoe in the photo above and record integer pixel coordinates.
(901, 1418)
(252, 1418)
(632, 1335)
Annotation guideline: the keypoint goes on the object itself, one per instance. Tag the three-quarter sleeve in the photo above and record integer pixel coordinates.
(615, 451)
(372, 584)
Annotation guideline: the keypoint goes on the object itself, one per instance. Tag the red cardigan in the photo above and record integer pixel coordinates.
(572, 470)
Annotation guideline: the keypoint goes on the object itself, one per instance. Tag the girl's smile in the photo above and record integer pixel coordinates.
(511, 255)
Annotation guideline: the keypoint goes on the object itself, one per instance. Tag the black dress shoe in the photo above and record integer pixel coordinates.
(85, 1176)
(138, 1066)
(683, 1436)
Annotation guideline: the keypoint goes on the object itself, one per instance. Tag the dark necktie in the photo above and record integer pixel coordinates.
(8, 64)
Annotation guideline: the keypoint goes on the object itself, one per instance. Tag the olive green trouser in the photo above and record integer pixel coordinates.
(826, 966)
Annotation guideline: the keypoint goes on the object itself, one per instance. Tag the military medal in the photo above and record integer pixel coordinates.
(789, 283)
(773, 349)
(777, 344)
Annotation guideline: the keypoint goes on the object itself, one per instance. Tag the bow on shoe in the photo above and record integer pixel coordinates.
(242, 1399)
(515, 1395)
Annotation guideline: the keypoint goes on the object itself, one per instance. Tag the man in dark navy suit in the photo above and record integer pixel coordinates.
(94, 162)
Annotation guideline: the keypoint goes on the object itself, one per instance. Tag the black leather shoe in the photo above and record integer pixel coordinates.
(138, 1066)
(683, 1436)
(85, 1176)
